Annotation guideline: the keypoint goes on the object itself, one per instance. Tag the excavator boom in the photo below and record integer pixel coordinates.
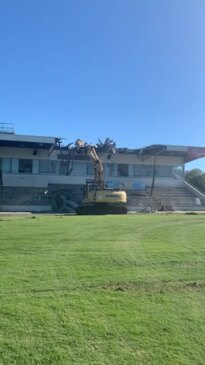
(90, 151)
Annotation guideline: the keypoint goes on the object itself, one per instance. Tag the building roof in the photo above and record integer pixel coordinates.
(188, 153)
(24, 141)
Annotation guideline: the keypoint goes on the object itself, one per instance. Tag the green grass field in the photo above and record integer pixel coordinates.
(102, 290)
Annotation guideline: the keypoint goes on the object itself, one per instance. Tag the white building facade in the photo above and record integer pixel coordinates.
(31, 164)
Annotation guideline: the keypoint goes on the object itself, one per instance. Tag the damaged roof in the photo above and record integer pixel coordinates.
(189, 153)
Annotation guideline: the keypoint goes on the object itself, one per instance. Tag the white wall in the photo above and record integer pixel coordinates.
(78, 175)
(18, 180)
(133, 159)
(26, 180)
(130, 183)
(24, 153)
(117, 158)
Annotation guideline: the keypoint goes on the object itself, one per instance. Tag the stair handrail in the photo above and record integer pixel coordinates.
(194, 189)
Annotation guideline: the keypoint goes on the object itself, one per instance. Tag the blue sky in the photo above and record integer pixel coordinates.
(131, 70)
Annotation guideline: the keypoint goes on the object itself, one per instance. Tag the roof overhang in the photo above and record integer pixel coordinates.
(188, 153)
(23, 141)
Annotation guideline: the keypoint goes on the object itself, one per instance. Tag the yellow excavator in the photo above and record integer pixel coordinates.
(98, 199)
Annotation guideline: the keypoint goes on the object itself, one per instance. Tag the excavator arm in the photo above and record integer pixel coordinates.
(90, 151)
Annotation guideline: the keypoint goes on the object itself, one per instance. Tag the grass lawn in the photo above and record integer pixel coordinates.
(124, 290)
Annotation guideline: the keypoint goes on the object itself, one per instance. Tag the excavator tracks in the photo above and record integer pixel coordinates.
(100, 209)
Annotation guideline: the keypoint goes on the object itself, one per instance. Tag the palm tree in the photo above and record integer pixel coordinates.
(108, 146)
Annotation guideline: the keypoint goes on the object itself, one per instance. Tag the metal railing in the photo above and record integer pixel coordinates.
(6, 128)
(194, 189)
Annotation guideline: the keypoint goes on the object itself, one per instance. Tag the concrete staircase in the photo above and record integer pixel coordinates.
(178, 199)
(168, 199)
(141, 201)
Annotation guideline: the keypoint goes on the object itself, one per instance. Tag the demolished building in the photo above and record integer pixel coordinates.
(41, 174)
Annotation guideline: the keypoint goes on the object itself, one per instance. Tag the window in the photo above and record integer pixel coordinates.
(25, 166)
(89, 169)
(122, 169)
(111, 169)
(63, 167)
(144, 170)
(6, 164)
(138, 170)
(48, 166)
(148, 171)
(79, 168)
(165, 171)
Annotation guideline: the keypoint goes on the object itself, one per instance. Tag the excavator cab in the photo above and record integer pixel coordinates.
(90, 186)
